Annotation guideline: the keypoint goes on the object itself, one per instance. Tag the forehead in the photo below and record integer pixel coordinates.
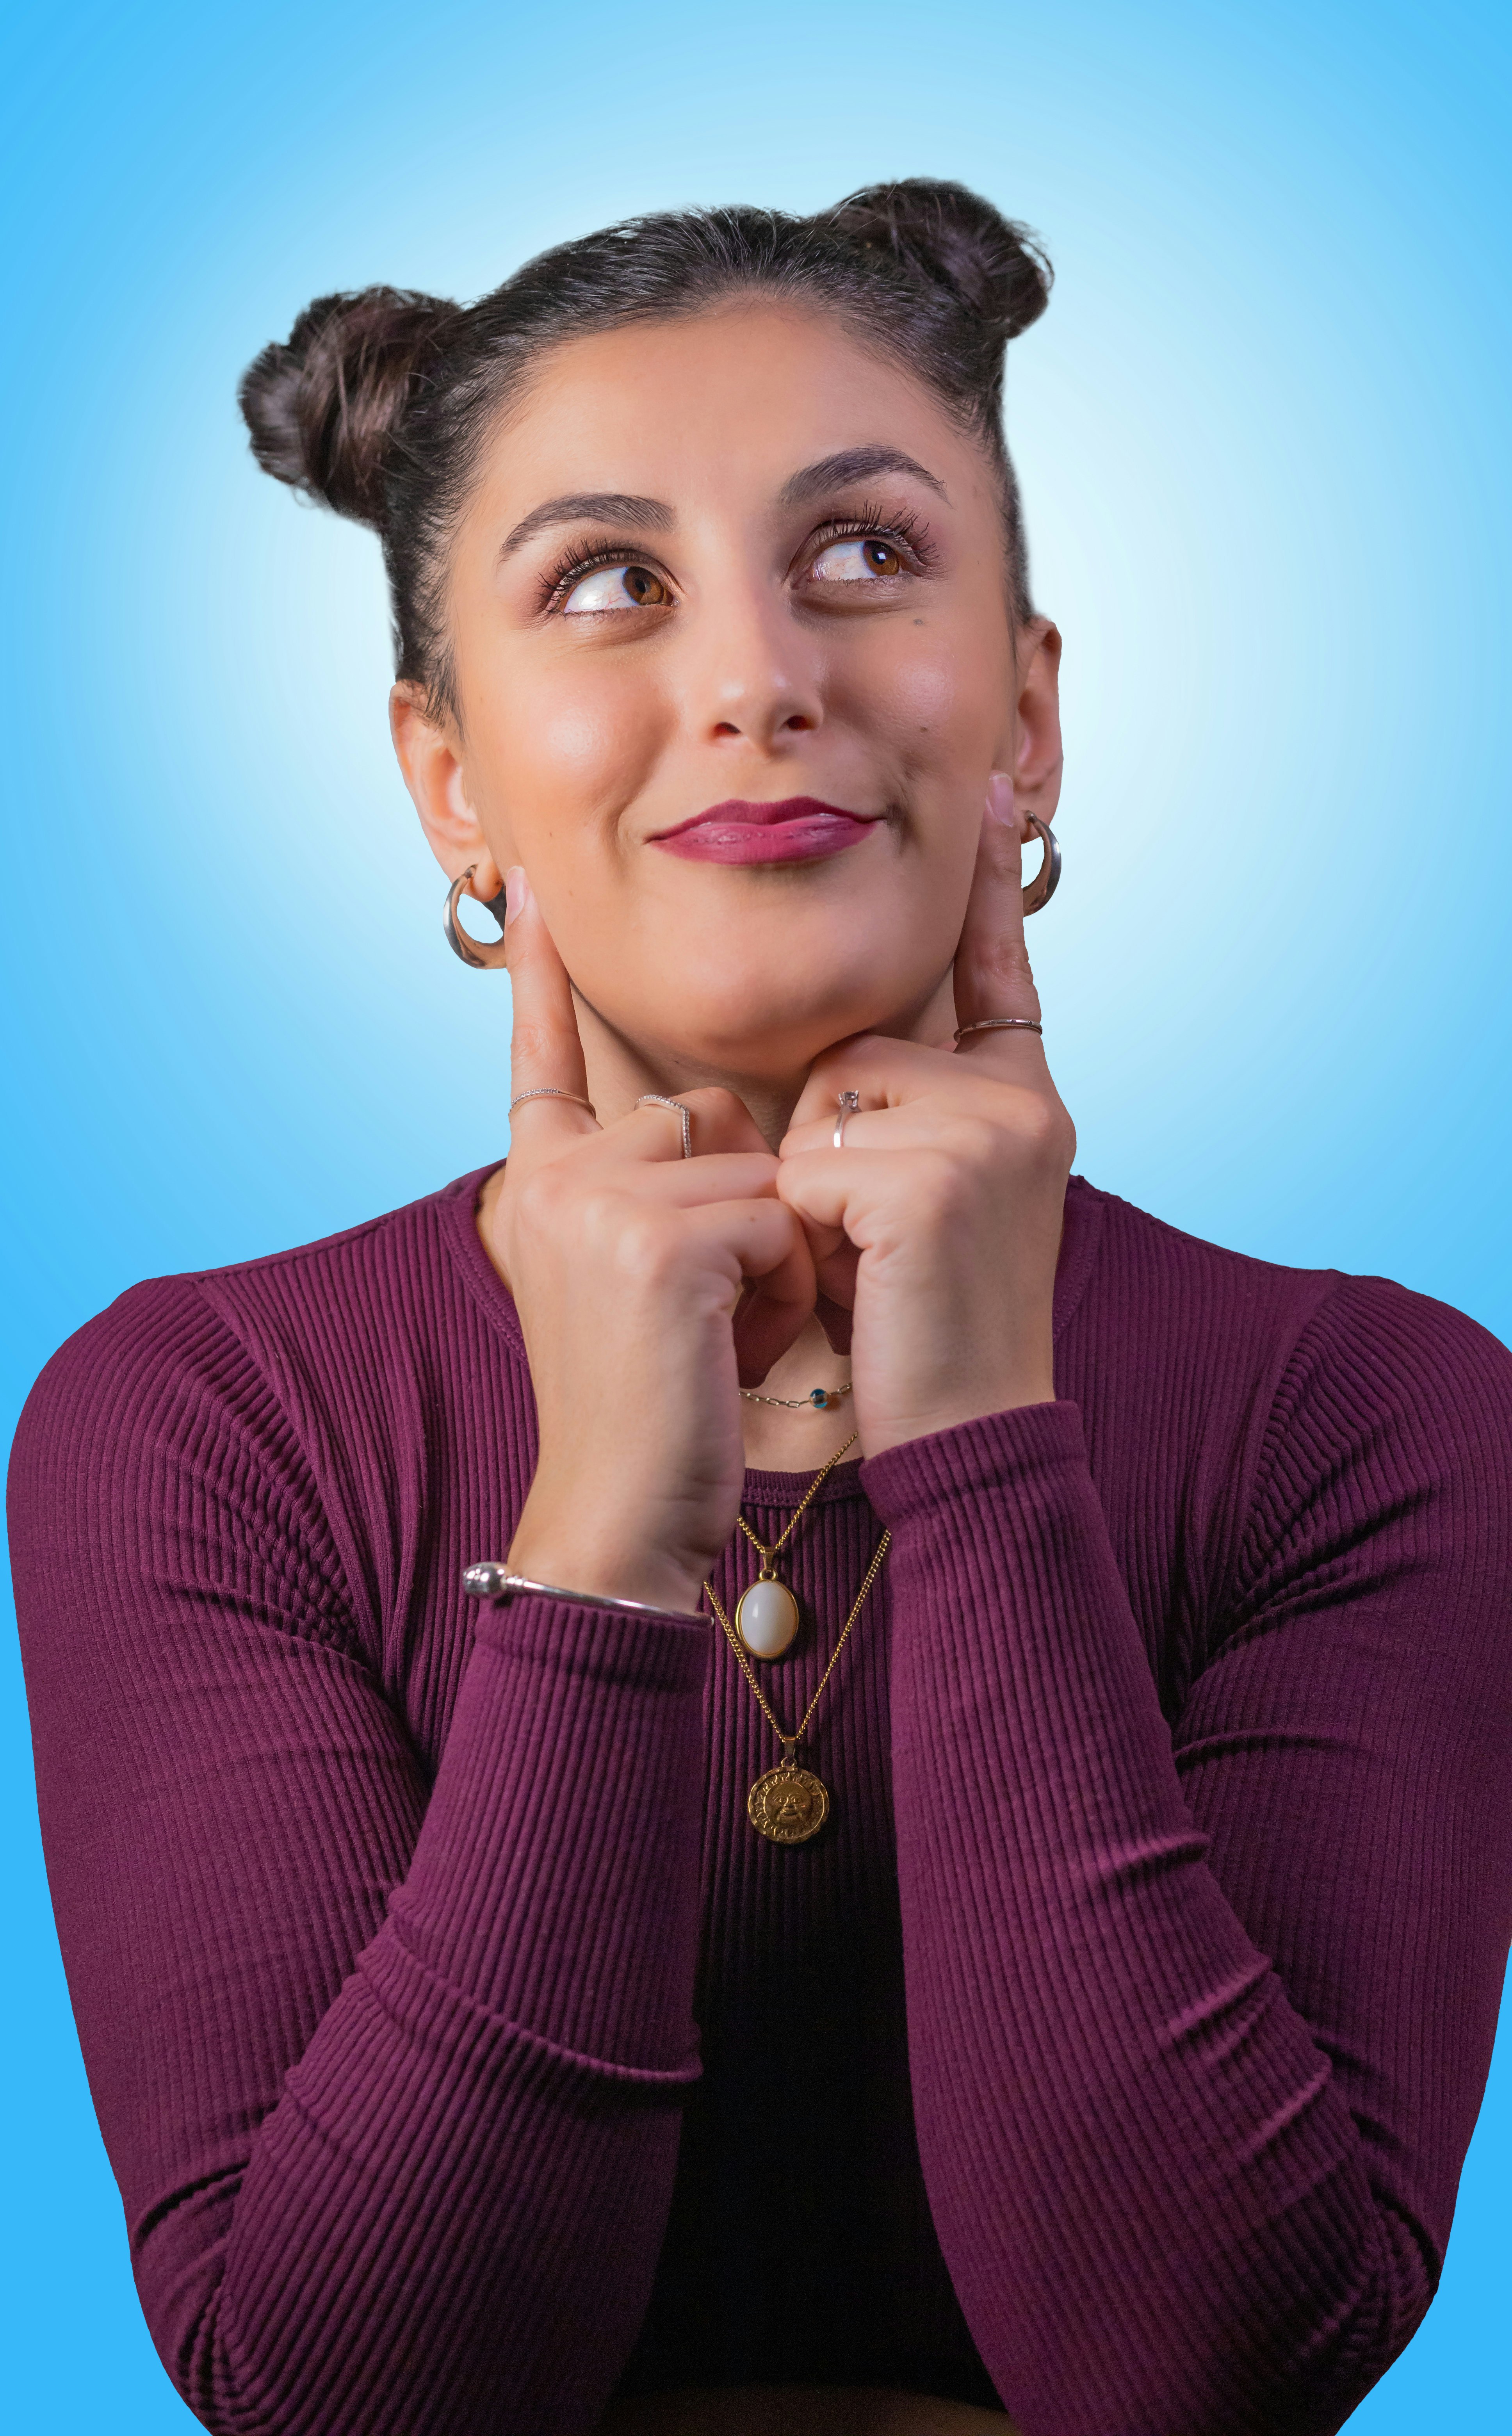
(724, 403)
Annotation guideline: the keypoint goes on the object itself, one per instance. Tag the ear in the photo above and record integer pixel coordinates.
(431, 761)
(1039, 755)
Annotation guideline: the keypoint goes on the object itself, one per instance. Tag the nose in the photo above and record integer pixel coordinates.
(754, 679)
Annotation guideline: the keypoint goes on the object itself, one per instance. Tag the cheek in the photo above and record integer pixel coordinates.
(935, 695)
(559, 751)
(564, 743)
(928, 705)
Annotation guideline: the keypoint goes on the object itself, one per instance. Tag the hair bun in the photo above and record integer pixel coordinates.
(323, 408)
(945, 233)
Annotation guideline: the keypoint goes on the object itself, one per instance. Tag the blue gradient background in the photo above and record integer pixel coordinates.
(1263, 439)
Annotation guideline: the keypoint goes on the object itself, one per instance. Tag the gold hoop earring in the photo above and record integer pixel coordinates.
(481, 953)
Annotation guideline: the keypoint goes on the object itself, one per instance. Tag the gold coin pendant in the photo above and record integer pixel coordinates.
(767, 1618)
(787, 1805)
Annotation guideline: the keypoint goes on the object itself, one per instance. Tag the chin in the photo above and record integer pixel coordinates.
(773, 1033)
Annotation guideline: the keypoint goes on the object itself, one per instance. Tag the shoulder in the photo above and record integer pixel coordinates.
(1146, 1275)
(1152, 1284)
(1256, 1392)
(1329, 1426)
(1391, 1424)
(332, 1301)
(268, 1396)
(390, 1277)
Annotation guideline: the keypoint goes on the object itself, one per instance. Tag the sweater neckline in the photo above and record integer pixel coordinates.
(458, 1204)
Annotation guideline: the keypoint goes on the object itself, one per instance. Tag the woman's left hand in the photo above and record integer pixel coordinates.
(938, 1223)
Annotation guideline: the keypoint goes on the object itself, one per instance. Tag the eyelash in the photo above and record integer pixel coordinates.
(869, 523)
(574, 565)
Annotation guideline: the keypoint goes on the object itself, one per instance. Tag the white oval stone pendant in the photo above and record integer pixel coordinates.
(767, 1619)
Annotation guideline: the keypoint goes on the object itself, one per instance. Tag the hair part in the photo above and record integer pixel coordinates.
(381, 401)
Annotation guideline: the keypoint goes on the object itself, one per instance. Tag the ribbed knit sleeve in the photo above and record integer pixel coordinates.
(1200, 2011)
(389, 2071)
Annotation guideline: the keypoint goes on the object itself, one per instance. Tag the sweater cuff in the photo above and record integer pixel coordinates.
(1030, 1447)
(555, 1881)
(649, 1649)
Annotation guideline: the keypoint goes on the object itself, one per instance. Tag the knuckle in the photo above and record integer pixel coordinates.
(1005, 958)
(868, 1051)
(644, 1247)
(1024, 1128)
(943, 1182)
(535, 1197)
(755, 1239)
(716, 1102)
(976, 1141)
(840, 1065)
(1042, 1132)
(532, 1043)
(782, 1226)
(600, 1213)
(1045, 1121)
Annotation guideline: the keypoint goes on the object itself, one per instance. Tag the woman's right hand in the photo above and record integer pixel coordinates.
(632, 1270)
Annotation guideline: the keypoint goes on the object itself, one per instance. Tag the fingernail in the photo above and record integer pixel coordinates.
(1000, 795)
(516, 893)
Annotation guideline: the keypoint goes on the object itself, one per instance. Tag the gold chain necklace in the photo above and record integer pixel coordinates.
(766, 1614)
(823, 1399)
(789, 1803)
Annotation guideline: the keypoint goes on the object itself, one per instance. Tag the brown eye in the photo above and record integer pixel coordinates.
(647, 590)
(616, 587)
(859, 559)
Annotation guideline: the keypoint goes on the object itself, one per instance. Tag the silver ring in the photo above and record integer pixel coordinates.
(655, 1100)
(849, 1103)
(550, 1091)
(1002, 1023)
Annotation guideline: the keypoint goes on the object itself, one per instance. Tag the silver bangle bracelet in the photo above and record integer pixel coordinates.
(492, 1581)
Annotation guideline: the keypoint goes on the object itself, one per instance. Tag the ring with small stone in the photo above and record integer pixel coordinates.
(849, 1103)
(656, 1100)
(550, 1091)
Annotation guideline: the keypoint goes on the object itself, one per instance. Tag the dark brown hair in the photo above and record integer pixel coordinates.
(381, 400)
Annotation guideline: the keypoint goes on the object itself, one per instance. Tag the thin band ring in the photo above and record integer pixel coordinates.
(1002, 1023)
(550, 1091)
(655, 1100)
(849, 1103)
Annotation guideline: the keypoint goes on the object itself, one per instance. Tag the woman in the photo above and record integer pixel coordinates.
(1039, 1956)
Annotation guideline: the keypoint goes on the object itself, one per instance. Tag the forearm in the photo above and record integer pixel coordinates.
(451, 2218)
(1149, 2191)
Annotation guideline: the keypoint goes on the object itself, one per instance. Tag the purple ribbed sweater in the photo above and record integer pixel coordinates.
(464, 2055)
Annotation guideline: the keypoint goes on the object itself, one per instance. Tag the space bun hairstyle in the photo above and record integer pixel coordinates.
(381, 401)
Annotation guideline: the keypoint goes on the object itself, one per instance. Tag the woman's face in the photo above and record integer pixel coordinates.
(735, 566)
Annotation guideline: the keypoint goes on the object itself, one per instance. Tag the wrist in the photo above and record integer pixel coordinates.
(951, 1412)
(589, 1568)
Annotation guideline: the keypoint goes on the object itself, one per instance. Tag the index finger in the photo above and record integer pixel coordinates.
(993, 976)
(546, 1053)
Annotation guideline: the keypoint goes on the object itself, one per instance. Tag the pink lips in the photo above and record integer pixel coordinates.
(799, 829)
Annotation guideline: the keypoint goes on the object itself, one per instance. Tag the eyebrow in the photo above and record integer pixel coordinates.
(591, 507)
(854, 465)
(654, 516)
